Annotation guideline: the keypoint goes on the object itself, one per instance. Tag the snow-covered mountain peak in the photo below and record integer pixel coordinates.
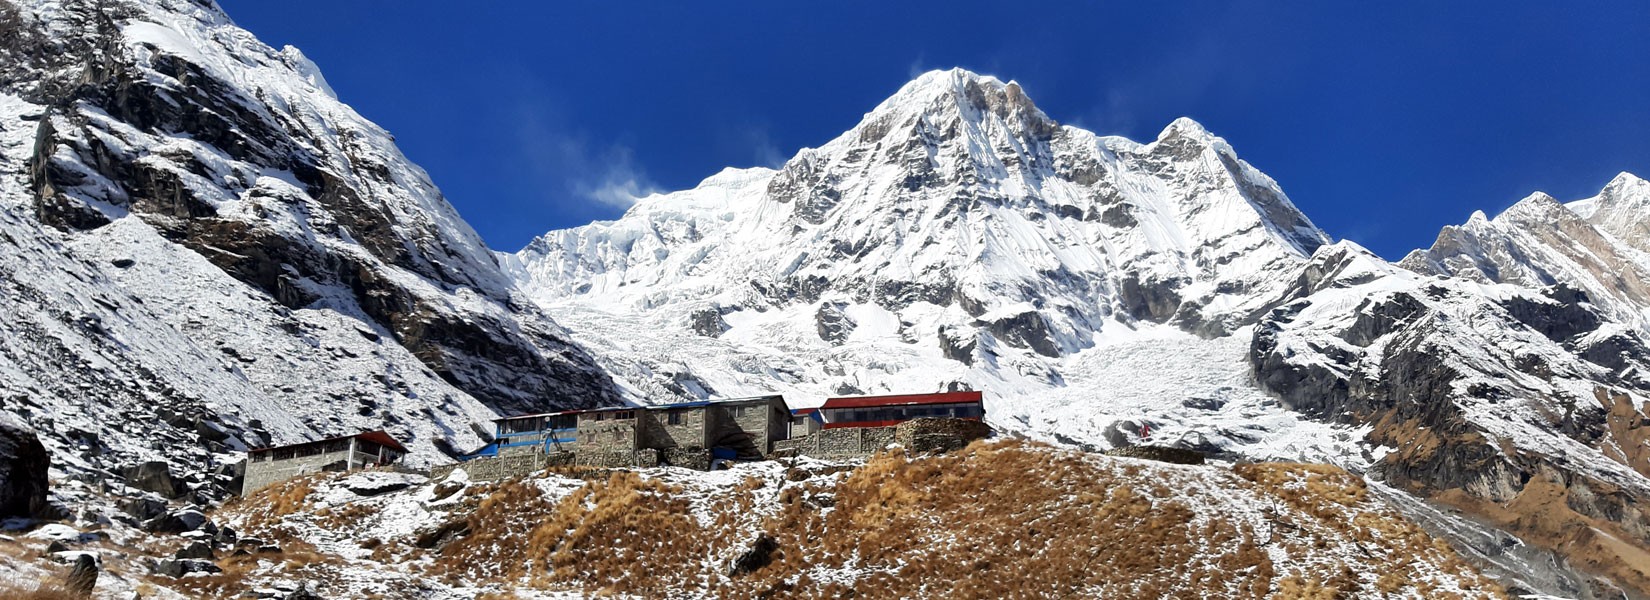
(1187, 128)
(1619, 210)
(970, 94)
(1536, 206)
(956, 231)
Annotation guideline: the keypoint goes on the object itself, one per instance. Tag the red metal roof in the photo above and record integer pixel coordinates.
(903, 400)
(378, 435)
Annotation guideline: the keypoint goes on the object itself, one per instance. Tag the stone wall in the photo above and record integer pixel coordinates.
(658, 432)
(639, 459)
(527, 449)
(938, 434)
(800, 426)
(1180, 456)
(691, 458)
(840, 443)
(496, 468)
(917, 435)
(260, 474)
(606, 435)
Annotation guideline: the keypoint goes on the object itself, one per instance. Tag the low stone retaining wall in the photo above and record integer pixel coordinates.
(497, 468)
(939, 435)
(840, 443)
(916, 435)
(690, 458)
(1179, 456)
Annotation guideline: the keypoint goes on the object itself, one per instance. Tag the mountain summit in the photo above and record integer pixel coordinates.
(1099, 288)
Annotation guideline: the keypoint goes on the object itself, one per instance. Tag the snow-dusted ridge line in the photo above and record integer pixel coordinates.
(207, 250)
(1097, 287)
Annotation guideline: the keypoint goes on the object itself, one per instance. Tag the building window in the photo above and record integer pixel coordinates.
(674, 418)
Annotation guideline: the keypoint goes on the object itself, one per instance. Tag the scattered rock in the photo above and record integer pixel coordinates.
(226, 536)
(123, 262)
(373, 483)
(201, 550)
(184, 566)
(176, 522)
(432, 537)
(445, 490)
(59, 532)
(154, 476)
(23, 464)
(757, 556)
(145, 507)
(56, 546)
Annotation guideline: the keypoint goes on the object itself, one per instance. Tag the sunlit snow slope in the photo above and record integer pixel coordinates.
(202, 249)
(1105, 292)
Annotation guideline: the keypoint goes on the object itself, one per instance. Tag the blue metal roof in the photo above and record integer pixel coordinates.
(491, 449)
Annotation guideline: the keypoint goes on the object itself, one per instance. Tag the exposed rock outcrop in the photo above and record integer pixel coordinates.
(23, 466)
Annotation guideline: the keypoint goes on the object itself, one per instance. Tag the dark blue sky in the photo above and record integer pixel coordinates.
(1383, 121)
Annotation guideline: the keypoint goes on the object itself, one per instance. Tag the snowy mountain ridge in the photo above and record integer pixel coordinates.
(1099, 288)
(206, 251)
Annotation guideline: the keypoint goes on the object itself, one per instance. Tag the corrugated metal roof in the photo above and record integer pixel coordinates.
(903, 399)
(692, 404)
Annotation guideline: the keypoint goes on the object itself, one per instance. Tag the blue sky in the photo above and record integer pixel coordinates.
(1382, 121)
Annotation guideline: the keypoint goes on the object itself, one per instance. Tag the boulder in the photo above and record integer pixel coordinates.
(176, 522)
(154, 476)
(23, 464)
(179, 567)
(200, 550)
(145, 507)
(226, 536)
(435, 537)
(759, 554)
(373, 483)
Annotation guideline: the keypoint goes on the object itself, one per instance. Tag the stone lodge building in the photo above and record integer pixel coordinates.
(265, 466)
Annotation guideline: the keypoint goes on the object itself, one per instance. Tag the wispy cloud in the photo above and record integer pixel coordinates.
(603, 172)
(756, 141)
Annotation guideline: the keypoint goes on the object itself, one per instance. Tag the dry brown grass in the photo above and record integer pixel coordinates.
(36, 590)
(996, 520)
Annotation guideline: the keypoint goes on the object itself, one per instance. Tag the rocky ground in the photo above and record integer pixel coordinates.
(997, 519)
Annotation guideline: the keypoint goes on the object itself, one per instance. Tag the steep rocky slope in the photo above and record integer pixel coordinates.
(204, 250)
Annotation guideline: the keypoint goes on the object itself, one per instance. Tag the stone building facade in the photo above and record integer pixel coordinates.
(694, 435)
(927, 434)
(701, 435)
(266, 466)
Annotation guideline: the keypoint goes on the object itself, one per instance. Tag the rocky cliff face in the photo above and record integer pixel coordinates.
(206, 251)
